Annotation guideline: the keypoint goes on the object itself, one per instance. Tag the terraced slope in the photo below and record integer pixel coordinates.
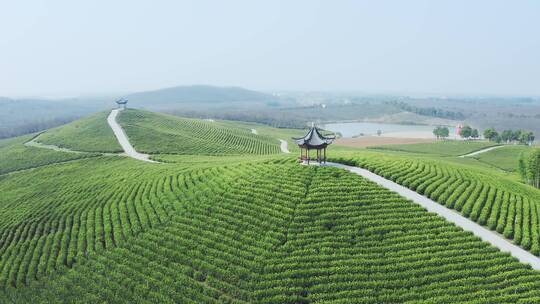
(15, 156)
(91, 134)
(53, 216)
(264, 232)
(503, 205)
(164, 134)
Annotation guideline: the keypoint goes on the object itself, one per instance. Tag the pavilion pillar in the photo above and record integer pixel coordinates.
(325, 155)
(308, 155)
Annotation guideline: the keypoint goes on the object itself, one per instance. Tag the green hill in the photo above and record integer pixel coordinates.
(156, 133)
(199, 97)
(242, 233)
(228, 218)
(165, 134)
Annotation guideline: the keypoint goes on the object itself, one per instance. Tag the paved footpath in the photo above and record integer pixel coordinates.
(481, 151)
(450, 215)
(123, 140)
(284, 146)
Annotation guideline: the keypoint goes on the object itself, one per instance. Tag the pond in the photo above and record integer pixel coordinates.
(355, 129)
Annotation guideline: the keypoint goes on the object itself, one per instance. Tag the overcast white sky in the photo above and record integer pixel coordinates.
(66, 47)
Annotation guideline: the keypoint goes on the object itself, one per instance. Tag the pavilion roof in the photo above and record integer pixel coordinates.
(314, 138)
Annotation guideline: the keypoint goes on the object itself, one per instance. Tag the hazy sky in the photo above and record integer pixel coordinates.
(449, 47)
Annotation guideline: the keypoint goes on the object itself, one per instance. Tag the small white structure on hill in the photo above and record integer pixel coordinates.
(122, 103)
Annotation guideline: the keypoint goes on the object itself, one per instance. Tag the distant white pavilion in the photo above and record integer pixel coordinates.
(122, 103)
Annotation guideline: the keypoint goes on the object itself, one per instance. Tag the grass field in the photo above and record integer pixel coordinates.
(505, 158)
(442, 148)
(240, 222)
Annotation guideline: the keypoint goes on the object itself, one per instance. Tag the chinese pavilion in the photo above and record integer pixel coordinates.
(313, 140)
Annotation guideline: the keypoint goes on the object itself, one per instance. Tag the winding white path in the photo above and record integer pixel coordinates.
(481, 151)
(34, 143)
(284, 146)
(453, 216)
(123, 140)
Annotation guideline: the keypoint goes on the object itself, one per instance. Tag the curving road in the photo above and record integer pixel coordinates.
(123, 140)
(481, 151)
(453, 216)
(284, 146)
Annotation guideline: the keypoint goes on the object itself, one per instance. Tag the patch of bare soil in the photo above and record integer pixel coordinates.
(369, 141)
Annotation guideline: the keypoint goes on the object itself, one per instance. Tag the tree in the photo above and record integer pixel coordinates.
(475, 135)
(444, 132)
(466, 132)
(436, 132)
(441, 132)
(526, 138)
(490, 134)
(506, 135)
(516, 135)
(529, 167)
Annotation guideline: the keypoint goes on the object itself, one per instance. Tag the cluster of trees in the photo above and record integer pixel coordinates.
(508, 136)
(529, 167)
(466, 132)
(469, 132)
(441, 132)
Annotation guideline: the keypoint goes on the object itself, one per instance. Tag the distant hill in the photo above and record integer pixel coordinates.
(23, 116)
(197, 95)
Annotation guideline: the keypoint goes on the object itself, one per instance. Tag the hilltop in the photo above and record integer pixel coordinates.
(157, 133)
(199, 96)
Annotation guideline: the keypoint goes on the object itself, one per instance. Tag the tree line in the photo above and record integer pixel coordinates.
(510, 136)
(506, 136)
(430, 111)
(466, 132)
